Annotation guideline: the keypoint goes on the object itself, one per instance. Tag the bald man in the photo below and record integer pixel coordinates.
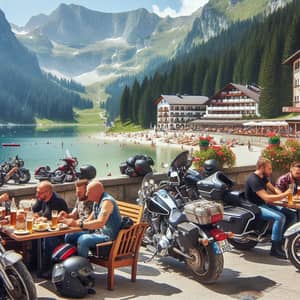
(102, 225)
(47, 200)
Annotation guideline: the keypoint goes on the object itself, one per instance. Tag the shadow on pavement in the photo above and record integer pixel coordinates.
(261, 256)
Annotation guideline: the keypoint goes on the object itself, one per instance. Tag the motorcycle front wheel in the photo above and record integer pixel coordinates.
(205, 263)
(24, 288)
(293, 249)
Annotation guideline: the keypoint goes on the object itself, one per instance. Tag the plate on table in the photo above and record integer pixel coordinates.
(41, 227)
(62, 226)
(19, 231)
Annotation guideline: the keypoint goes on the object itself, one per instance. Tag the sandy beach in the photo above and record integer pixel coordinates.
(189, 141)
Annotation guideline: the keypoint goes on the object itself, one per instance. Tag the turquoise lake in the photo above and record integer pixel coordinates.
(46, 147)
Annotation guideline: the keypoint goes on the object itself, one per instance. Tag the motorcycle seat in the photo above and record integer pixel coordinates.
(237, 198)
(176, 217)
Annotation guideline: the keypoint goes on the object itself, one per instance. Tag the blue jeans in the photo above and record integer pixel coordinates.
(85, 241)
(268, 213)
(290, 216)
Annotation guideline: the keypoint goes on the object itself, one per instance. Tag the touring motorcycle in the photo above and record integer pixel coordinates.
(15, 280)
(186, 232)
(241, 217)
(64, 173)
(14, 170)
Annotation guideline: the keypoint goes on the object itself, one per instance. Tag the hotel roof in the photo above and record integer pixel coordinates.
(183, 99)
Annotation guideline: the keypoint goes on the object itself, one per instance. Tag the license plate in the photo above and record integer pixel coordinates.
(224, 246)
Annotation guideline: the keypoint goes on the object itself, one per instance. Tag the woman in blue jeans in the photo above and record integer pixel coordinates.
(102, 225)
(261, 192)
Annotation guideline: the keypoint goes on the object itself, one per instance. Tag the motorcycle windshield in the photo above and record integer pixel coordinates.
(182, 160)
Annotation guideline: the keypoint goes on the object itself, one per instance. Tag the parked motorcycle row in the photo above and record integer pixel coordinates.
(66, 172)
(196, 217)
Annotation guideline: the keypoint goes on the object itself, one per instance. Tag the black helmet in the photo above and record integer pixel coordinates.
(211, 166)
(73, 277)
(142, 167)
(87, 172)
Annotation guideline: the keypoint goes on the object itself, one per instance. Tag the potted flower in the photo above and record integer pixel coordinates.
(223, 154)
(280, 156)
(204, 142)
(274, 139)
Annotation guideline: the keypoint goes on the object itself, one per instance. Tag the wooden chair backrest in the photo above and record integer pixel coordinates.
(133, 211)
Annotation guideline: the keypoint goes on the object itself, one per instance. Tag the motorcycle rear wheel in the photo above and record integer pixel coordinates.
(293, 249)
(206, 264)
(1, 179)
(24, 288)
(24, 176)
(242, 244)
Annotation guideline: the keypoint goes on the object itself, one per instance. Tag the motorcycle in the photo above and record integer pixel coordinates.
(64, 173)
(292, 244)
(241, 217)
(15, 280)
(14, 170)
(187, 233)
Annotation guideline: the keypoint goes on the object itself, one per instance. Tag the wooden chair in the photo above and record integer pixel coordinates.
(125, 248)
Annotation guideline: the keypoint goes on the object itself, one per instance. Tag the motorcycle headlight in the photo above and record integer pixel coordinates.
(58, 273)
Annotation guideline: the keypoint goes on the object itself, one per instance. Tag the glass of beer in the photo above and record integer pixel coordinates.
(2, 212)
(13, 217)
(298, 192)
(54, 214)
(29, 221)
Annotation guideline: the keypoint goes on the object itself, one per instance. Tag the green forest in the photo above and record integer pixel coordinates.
(248, 52)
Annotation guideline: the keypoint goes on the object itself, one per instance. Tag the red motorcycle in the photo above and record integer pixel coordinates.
(64, 173)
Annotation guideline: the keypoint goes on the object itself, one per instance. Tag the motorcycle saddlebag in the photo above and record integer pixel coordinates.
(214, 186)
(235, 219)
(203, 212)
(62, 252)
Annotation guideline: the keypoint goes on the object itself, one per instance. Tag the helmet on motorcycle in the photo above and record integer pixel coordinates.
(87, 172)
(142, 167)
(73, 277)
(210, 166)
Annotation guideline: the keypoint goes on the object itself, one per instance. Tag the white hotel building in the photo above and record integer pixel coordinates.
(234, 101)
(176, 111)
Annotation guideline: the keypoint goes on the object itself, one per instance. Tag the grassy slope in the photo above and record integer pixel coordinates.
(125, 127)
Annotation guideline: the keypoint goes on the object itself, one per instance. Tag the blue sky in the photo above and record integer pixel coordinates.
(19, 11)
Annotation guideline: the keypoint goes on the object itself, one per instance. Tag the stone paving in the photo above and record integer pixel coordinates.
(247, 276)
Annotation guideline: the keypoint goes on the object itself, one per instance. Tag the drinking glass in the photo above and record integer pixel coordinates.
(29, 221)
(54, 214)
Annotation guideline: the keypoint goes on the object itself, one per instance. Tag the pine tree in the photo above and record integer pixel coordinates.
(124, 107)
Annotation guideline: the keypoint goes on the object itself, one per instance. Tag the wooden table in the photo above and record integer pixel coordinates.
(294, 205)
(37, 235)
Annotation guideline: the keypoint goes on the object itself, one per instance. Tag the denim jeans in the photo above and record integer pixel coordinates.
(290, 216)
(85, 241)
(268, 213)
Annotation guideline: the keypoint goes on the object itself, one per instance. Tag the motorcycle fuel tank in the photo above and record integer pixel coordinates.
(161, 203)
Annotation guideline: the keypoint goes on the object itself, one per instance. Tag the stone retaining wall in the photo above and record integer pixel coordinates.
(122, 188)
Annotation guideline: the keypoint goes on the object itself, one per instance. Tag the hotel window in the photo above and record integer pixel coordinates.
(297, 64)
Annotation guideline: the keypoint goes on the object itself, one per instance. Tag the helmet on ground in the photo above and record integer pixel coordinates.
(87, 172)
(211, 166)
(73, 277)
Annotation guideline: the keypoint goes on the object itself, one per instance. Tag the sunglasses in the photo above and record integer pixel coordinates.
(297, 166)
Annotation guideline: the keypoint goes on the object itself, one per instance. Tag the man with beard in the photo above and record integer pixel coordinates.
(103, 223)
(260, 191)
(82, 208)
(283, 183)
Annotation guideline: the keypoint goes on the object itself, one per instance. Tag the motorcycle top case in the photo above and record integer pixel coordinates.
(202, 211)
(214, 186)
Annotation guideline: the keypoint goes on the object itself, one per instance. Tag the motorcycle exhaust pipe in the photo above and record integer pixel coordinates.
(181, 253)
